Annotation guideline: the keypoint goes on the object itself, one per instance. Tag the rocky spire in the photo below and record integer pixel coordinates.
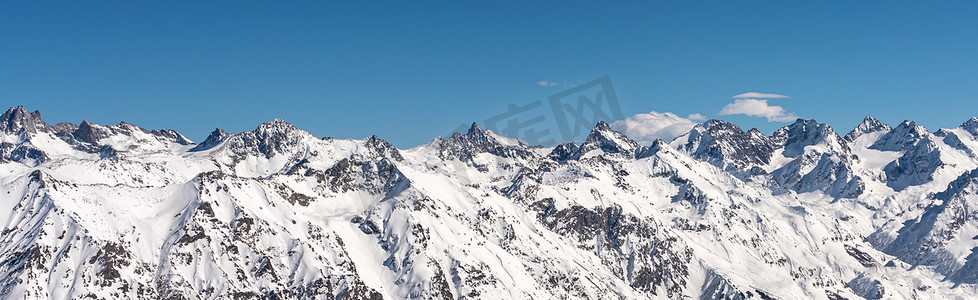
(91, 133)
(869, 125)
(18, 119)
(608, 140)
(215, 138)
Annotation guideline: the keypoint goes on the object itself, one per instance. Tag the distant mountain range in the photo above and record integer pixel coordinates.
(118, 211)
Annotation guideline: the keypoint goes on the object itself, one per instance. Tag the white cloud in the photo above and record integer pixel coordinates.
(696, 117)
(547, 83)
(758, 108)
(756, 95)
(646, 128)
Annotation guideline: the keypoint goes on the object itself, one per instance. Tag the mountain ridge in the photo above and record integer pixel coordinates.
(119, 211)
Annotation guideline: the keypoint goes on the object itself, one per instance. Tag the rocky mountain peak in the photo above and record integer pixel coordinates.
(475, 129)
(901, 137)
(602, 125)
(275, 127)
(477, 135)
(608, 140)
(564, 151)
(721, 144)
(478, 140)
(971, 126)
(91, 133)
(807, 130)
(650, 150)
(383, 148)
(215, 138)
(172, 136)
(276, 136)
(868, 125)
(793, 138)
(18, 119)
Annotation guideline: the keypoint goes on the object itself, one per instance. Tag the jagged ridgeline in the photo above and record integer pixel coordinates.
(122, 212)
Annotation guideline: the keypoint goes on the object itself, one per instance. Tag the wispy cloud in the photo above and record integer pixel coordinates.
(758, 108)
(646, 128)
(547, 83)
(756, 95)
(696, 117)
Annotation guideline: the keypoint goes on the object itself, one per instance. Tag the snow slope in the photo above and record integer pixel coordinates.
(118, 211)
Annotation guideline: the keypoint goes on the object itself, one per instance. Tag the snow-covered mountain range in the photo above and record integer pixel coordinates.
(118, 211)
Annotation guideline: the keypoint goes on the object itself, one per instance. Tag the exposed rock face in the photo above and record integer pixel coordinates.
(935, 238)
(607, 140)
(902, 137)
(918, 164)
(869, 125)
(17, 120)
(971, 126)
(822, 161)
(215, 138)
(477, 140)
(724, 144)
(118, 211)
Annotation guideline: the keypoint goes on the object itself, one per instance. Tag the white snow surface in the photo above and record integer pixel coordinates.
(278, 212)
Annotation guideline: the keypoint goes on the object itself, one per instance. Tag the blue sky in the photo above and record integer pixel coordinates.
(412, 70)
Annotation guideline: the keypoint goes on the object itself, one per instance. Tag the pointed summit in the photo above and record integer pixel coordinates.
(868, 125)
(18, 119)
(172, 136)
(478, 140)
(383, 148)
(474, 129)
(215, 138)
(91, 133)
(608, 140)
(971, 126)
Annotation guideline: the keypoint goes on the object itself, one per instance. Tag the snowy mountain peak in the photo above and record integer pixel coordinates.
(725, 144)
(711, 123)
(819, 160)
(91, 133)
(943, 236)
(215, 138)
(650, 150)
(901, 137)
(795, 137)
(172, 136)
(279, 213)
(273, 137)
(971, 126)
(478, 140)
(564, 152)
(868, 125)
(17, 119)
(602, 125)
(383, 148)
(755, 133)
(474, 129)
(479, 135)
(276, 127)
(609, 141)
